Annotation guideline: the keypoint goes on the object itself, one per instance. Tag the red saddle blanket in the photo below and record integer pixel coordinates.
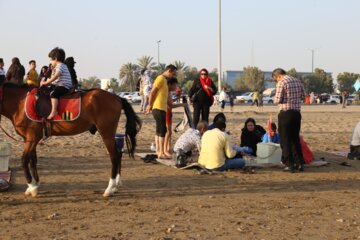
(68, 109)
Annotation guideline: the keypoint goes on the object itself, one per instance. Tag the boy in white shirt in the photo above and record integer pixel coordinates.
(60, 79)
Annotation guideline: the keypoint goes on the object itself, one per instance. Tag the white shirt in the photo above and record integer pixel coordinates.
(188, 141)
(64, 76)
(355, 137)
(146, 83)
(223, 96)
(2, 71)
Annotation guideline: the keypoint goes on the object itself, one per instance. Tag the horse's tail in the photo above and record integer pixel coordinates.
(132, 127)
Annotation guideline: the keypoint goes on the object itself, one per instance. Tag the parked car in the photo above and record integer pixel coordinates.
(127, 95)
(135, 97)
(268, 100)
(124, 94)
(351, 99)
(334, 99)
(245, 97)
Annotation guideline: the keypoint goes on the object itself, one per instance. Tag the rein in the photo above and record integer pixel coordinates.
(7, 134)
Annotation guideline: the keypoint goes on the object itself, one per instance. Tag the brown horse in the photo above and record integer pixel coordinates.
(100, 111)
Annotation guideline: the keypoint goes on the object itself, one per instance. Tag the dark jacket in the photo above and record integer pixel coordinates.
(250, 139)
(70, 63)
(73, 76)
(16, 73)
(203, 98)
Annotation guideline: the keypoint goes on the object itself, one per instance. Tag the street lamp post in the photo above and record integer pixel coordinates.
(158, 45)
(219, 57)
(312, 59)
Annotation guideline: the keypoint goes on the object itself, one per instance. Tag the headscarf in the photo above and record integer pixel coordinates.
(207, 81)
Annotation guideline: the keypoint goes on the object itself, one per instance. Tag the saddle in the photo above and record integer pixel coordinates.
(38, 105)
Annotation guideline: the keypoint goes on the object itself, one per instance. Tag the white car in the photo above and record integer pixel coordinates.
(268, 100)
(245, 97)
(334, 99)
(136, 98)
(124, 94)
(351, 99)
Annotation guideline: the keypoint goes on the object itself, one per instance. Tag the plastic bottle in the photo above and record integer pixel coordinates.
(153, 147)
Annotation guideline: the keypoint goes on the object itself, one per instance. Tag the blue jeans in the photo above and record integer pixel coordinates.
(233, 163)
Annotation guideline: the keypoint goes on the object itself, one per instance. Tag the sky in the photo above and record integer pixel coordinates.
(103, 35)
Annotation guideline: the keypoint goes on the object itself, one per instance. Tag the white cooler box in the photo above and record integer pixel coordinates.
(268, 153)
(5, 153)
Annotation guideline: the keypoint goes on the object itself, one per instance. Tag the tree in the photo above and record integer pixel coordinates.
(346, 81)
(181, 68)
(214, 77)
(160, 69)
(146, 62)
(188, 85)
(129, 75)
(251, 79)
(114, 85)
(292, 72)
(318, 82)
(91, 82)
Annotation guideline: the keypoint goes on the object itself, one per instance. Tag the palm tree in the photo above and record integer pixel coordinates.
(160, 69)
(91, 82)
(181, 68)
(129, 74)
(146, 62)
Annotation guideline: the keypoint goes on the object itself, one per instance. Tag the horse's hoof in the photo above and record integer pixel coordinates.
(106, 194)
(28, 192)
(34, 192)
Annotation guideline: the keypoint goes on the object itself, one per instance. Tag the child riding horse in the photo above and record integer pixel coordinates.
(99, 109)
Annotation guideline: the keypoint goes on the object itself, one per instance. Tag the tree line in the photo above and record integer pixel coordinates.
(318, 82)
(252, 78)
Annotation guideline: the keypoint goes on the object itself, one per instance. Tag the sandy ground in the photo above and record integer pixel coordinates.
(159, 202)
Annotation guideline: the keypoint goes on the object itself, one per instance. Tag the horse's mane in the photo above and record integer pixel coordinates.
(13, 85)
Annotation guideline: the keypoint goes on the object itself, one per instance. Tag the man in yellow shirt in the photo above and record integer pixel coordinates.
(32, 75)
(216, 150)
(158, 100)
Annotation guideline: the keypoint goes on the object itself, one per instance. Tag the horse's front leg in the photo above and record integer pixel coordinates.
(32, 180)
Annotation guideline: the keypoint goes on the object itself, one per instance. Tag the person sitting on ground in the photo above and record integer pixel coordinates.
(32, 75)
(60, 79)
(172, 83)
(220, 117)
(188, 142)
(355, 144)
(251, 135)
(217, 152)
(271, 136)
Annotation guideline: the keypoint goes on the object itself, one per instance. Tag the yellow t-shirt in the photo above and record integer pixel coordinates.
(161, 97)
(31, 78)
(215, 147)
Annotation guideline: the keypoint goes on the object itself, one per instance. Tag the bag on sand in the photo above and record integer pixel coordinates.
(307, 153)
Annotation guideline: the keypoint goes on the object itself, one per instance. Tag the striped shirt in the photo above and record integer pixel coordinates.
(64, 76)
(289, 93)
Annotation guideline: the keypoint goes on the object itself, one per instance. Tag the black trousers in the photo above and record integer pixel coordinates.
(355, 150)
(289, 123)
(204, 110)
